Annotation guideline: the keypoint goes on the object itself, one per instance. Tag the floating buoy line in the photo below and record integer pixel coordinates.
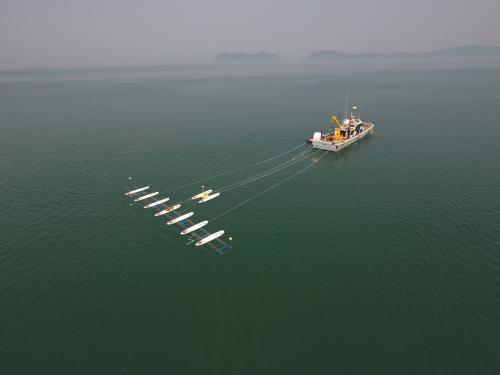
(180, 213)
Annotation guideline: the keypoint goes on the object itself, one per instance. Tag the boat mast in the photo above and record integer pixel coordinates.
(347, 101)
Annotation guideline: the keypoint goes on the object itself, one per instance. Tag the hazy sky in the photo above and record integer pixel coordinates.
(59, 33)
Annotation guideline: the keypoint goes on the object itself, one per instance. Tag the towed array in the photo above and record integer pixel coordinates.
(198, 234)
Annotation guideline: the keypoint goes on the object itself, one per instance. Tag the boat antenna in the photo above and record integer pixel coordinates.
(347, 100)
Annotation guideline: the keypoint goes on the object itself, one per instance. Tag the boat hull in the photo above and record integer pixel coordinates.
(339, 145)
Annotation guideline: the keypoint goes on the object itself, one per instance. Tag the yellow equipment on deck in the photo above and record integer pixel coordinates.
(337, 136)
(336, 121)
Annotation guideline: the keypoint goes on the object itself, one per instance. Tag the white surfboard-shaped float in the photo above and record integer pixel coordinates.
(157, 203)
(137, 190)
(146, 196)
(194, 227)
(180, 218)
(206, 192)
(210, 197)
(209, 238)
(168, 209)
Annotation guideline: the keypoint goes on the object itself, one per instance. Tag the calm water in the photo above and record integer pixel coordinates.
(382, 259)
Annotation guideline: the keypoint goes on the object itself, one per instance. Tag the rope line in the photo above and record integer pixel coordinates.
(235, 170)
(286, 165)
(296, 157)
(266, 190)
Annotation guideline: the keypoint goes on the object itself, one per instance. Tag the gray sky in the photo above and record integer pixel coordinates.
(58, 33)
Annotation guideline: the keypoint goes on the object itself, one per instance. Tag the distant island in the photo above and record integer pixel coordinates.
(470, 51)
(465, 51)
(246, 57)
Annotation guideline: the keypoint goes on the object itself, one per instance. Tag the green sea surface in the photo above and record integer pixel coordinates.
(381, 259)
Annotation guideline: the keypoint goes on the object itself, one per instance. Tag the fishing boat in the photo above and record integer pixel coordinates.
(342, 134)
